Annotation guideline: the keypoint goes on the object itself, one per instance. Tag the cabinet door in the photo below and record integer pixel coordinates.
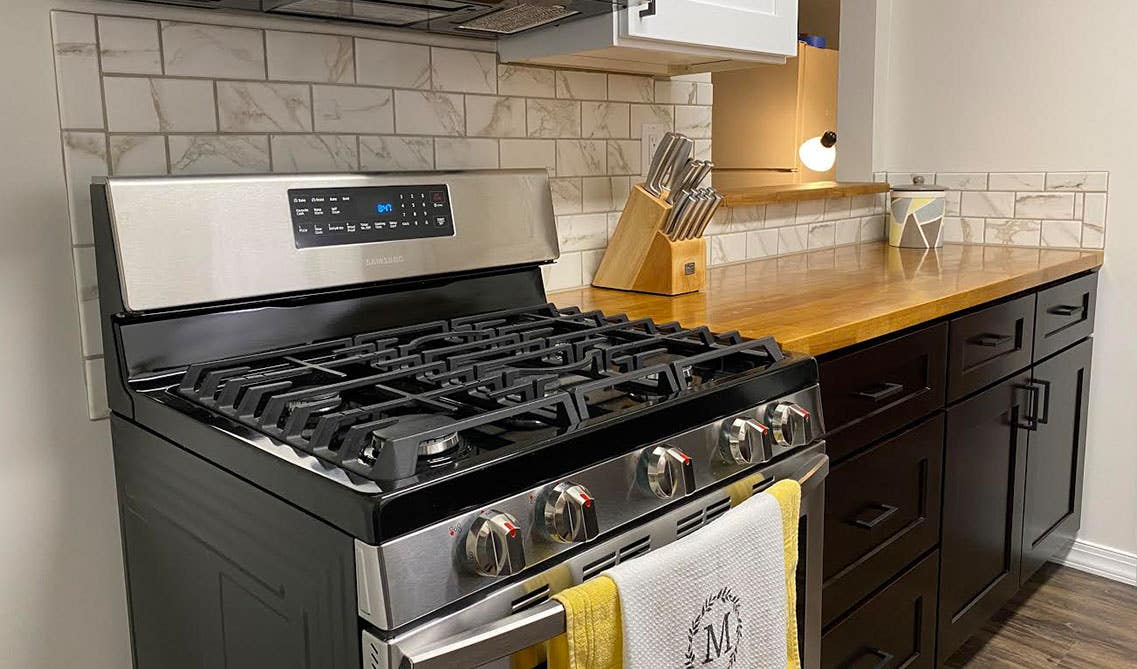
(1052, 510)
(754, 26)
(984, 470)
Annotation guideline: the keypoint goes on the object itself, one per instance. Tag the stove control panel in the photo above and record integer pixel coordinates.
(363, 215)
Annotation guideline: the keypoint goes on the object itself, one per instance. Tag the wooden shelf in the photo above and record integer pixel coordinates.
(819, 190)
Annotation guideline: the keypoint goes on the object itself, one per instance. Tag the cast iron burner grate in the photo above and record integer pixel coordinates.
(392, 404)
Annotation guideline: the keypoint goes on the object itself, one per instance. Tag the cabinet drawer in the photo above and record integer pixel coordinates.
(988, 345)
(878, 390)
(882, 511)
(896, 628)
(1065, 315)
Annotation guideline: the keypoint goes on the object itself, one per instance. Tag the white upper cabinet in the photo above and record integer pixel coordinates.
(678, 37)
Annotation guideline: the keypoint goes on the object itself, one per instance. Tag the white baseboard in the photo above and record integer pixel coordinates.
(1099, 560)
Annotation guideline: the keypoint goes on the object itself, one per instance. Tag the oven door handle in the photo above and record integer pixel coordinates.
(502, 638)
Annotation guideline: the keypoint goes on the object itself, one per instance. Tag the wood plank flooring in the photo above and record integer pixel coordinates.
(1061, 619)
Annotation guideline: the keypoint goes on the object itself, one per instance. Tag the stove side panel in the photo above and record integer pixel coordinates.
(222, 574)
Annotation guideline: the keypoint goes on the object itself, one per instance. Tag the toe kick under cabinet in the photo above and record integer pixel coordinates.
(958, 449)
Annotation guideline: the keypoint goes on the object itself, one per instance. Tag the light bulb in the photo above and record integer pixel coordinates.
(819, 153)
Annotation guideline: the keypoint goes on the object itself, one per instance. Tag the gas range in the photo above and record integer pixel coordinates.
(477, 447)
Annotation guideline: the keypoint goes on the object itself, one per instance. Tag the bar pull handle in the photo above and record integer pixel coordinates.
(649, 10)
(886, 658)
(884, 512)
(990, 339)
(1045, 385)
(1030, 422)
(880, 392)
(1066, 310)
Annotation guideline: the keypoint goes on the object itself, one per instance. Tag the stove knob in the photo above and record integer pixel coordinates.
(745, 441)
(664, 470)
(493, 545)
(570, 514)
(790, 424)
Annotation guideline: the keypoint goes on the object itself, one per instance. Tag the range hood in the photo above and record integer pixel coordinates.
(489, 19)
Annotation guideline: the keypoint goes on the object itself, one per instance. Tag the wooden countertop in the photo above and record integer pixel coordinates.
(740, 197)
(825, 300)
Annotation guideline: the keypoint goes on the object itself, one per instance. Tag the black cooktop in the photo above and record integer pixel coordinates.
(418, 401)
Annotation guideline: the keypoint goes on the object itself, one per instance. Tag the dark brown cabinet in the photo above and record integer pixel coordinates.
(958, 452)
(988, 345)
(882, 511)
(869, 393)
(1056, 455)
(895, 628)
(984, 472)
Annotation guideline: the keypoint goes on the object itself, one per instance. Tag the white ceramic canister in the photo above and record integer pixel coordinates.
(916, 215)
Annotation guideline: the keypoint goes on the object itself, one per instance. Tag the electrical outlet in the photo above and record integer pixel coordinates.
(651, 134)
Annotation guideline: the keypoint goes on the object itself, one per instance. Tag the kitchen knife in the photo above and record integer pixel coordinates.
(678, 165)
(705, 200)
(698, 204)
(655, 172)
(710, 217)
(675, 217)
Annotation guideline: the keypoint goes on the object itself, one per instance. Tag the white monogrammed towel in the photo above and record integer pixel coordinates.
(713, 600)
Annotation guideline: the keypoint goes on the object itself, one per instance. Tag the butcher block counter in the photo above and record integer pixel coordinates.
(821, 301)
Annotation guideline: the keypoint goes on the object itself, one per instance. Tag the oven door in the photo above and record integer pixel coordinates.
(519, 617)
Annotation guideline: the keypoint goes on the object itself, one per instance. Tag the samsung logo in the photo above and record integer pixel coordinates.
(383, 260)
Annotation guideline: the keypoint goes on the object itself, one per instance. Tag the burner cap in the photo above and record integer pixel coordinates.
(431, 448)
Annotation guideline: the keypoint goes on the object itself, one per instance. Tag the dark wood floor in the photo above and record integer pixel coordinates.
(1062, 619)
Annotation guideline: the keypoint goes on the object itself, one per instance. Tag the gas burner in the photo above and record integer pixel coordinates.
(390, 405)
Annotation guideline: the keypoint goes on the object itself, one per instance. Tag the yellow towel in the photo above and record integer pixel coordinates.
(788, 494)
(594, 633)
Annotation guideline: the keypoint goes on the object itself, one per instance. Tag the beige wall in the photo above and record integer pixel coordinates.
(1035, 85)
(61, 592)
(821, 17)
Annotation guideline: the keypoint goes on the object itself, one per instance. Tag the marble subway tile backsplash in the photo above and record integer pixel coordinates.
(1029, 208)
(151, 96)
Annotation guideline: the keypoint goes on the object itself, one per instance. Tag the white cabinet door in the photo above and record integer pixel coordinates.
(755, 26)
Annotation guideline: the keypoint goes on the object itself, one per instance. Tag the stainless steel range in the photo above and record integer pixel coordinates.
(351, 431)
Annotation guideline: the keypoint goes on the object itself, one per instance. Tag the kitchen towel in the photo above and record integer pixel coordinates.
(788, 494)
(592, 638)
(712, 600)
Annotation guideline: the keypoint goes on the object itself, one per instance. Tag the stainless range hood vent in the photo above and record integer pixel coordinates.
(469, 18)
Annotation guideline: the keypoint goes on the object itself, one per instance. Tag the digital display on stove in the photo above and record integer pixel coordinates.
(367, 214)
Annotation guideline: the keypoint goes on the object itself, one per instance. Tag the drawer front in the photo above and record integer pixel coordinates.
(1065, 315)
(988, 345)
(896, 628)
(882, 511)
(878, 390)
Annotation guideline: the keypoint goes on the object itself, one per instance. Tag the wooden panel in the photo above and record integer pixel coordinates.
(1056, 457)
(981, 544)
(896, 628)
(794, 192)
(817, 103)
(988, 345)
(878, 390)
(755, 117)
(882, 511)
(1065, 315)
(826, 300)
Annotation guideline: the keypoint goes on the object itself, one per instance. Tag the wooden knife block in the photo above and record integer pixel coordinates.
(641, 258)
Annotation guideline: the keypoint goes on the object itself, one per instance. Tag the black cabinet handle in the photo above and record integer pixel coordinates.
(884, 512)
(1066, 310)
(1045, 417)
(649, 10)
(886, 658)
(990, 339)
(1030, 421)
(880, 392)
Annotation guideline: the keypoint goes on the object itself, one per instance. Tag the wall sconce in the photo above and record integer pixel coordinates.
(819, 153)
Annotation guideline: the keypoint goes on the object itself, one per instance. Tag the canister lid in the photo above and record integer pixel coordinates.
(918, 185)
